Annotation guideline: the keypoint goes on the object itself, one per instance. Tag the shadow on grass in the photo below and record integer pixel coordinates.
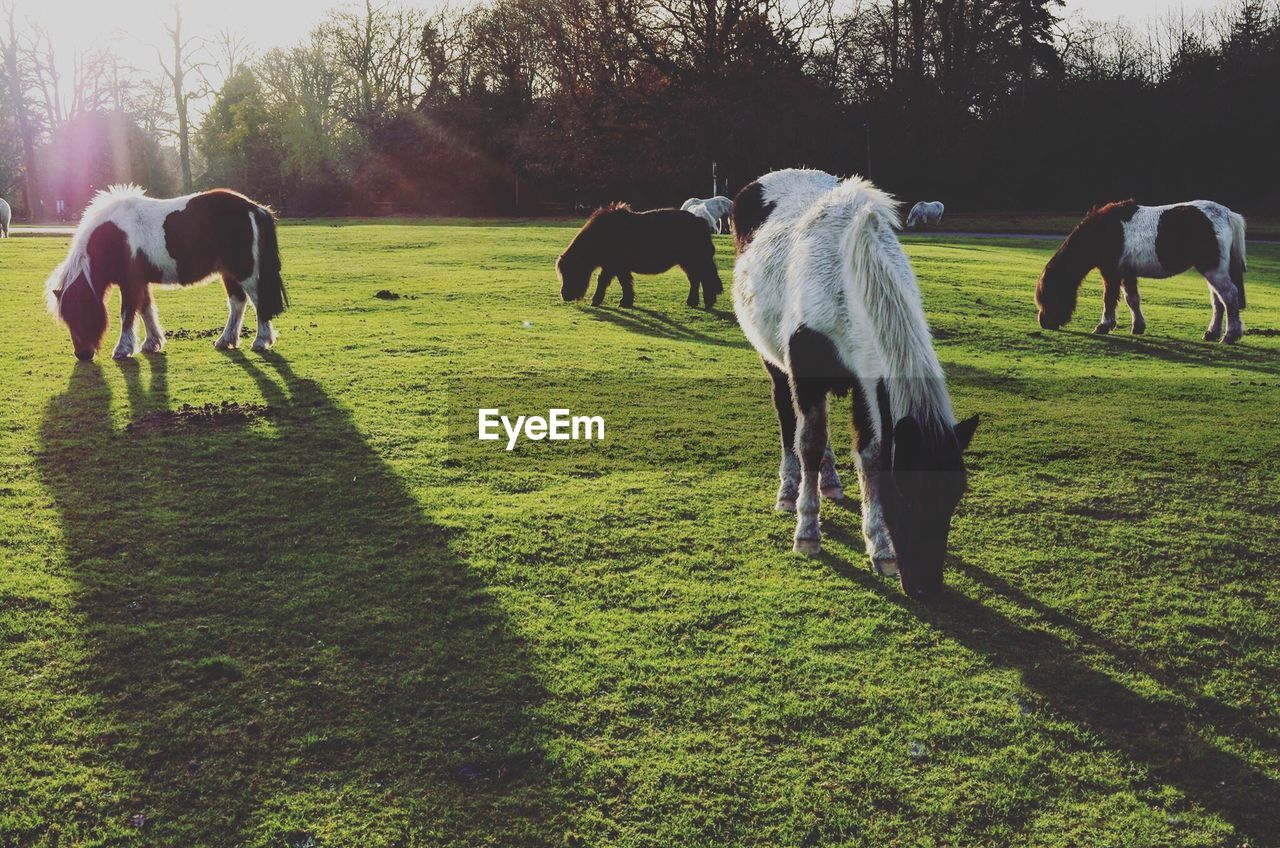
(1168, 740)
(1186, 352)
(281, 645)
(658, 324)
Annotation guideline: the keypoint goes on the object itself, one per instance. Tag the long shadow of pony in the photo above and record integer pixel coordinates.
(652, 322)
(281, 644)
(1242, 356)
(1168, 739)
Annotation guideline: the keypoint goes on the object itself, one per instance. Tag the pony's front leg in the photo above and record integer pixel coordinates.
(829, 481)
(128, 344)
(606, 277)
(1110, 297)
(811, 445)
(628, 283)
(874, 530)
(151, 320)
(236, 300)
(1134, 300)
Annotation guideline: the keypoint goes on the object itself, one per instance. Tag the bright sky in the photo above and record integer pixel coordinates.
(133, 26)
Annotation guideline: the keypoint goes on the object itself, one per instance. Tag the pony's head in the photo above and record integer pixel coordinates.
(72, 299)
(1097, 239)
(580, 258)
(574, 274)
(919, 495)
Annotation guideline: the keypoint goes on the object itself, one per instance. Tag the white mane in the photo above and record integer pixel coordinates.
(104, 204)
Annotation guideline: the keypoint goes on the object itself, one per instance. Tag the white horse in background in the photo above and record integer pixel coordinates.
(700, 210)
(6, 215)
(926, 213)
(826, 294)
(719, 208)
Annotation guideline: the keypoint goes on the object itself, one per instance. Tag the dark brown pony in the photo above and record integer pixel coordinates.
(621, 242)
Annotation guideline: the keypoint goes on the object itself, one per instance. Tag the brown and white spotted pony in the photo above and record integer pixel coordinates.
(825, 293)
(1125, 241)
(129, 240)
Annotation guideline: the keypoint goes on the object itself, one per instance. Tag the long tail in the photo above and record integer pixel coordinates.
(1238, 263)
(272, 298)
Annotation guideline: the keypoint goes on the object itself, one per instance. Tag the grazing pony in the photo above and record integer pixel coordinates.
(1125, 241)
(826, 295)
(621, 242)
(718, 207)
(926, 213)
(6, 215)
(700, 210)
(133, 241)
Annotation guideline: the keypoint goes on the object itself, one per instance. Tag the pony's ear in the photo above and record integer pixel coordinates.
(57, 293)
(907, 439)
(965, 430)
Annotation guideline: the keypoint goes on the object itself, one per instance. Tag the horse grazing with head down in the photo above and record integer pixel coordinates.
(129, 240)
(826, 295)
(621, 242)
(926, 213)
(1125, 241)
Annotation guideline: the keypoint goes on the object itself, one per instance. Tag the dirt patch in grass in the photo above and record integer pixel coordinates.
(1265, 332)
(185, 335)
(211, 415)
(388, 294)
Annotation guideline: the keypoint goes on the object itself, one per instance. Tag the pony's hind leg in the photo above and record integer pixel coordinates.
(1134, 300)
(1225, 291)
(602, 285)
(236, 299)
(628, 283)
(811, 445)
(1214, 332)
(789, 469)
(1110, 297)
(266, 333)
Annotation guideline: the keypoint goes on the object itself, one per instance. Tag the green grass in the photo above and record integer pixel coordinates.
(333, 618)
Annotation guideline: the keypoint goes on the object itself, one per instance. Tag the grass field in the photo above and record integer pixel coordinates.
(289, 600)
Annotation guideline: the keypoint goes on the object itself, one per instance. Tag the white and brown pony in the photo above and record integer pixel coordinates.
(926, 213)
(1125, 241)
(129, 240)
(826, 295)
(6, 215)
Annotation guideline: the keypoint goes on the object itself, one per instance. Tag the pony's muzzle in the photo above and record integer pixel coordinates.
(1046, 324)
(84, 355)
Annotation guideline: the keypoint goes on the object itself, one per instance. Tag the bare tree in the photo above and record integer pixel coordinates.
(16, 76)
(186, 62)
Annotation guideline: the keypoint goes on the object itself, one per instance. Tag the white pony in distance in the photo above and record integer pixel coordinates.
(926, 213)
(825, 293)
(6, 214)
(714, 210)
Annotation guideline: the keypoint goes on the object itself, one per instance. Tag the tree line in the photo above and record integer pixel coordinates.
(555, 106)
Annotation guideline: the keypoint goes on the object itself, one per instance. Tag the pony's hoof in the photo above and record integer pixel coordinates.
(692, 303)
(120, 355)
(711, 302)
(833, 493)
(153, 346)
(1103, 329)
(595, 302)
(807, 547)
(1231, 338)
(261, 345)
(1138, 329)
(627, 303)
(225, 344)
(785, 504)
(1211, 336)
(885, 566)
